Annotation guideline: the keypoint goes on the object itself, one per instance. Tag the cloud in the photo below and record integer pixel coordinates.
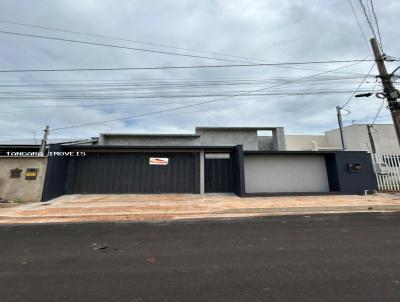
(264, 30)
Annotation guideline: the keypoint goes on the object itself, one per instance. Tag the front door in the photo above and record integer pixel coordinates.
(218, 173)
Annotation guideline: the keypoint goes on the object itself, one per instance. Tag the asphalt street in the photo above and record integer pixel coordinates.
(298, 258)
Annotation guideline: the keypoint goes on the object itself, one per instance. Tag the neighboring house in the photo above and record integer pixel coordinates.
(355, 136)
(23, 169)
(22, 178)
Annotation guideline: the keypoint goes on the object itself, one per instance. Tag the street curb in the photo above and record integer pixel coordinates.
(221, 214)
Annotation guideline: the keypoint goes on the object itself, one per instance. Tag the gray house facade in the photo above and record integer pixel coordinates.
(252, 138)
(245, 161)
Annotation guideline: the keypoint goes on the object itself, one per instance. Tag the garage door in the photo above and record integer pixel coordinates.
(285, 173)
(132, 173)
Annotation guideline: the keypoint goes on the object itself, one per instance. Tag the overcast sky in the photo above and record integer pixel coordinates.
(260, 30)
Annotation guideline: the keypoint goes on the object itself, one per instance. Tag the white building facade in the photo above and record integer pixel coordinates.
(355, 136)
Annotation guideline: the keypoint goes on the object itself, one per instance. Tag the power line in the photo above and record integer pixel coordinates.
(162, 80)
(129, 97)
(368, 8)
(358, 87)
(188, 91)
(169, 84)
(149, 43)
(379, 111)
(196, 104)
(129, 48)
(125, 39)
(183, 67)
(115, 46)
(173, 86)
(368, 20)
(97, 86)
(367, 17)
(376, 23)
(358, 23)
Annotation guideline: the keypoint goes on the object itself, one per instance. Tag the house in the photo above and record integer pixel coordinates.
(247, 161)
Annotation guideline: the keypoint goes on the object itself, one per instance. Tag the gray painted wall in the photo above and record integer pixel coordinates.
(204, 136)
(278, 137)
(247, 138)
(273, 173)
(133, 140)
(265, 143)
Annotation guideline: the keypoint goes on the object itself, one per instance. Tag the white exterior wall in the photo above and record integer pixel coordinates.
(356, 138)
(333, 138)
(385, 139)
(274, 173)
(305, 142)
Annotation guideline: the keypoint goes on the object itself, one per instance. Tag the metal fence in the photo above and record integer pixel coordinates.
(387, 170)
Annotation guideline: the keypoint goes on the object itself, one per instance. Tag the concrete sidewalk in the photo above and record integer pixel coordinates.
(97, 207)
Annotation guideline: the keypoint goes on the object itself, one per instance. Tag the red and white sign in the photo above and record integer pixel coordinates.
(158, 161)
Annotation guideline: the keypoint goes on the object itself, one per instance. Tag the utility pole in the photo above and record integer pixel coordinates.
(371, 139)
(340, 121)
(44, 140)
(389, 91)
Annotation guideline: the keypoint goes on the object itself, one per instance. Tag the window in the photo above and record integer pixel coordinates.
(217, 155)
(264, 132)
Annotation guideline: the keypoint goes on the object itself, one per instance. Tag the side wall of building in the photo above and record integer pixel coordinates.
(21, 189)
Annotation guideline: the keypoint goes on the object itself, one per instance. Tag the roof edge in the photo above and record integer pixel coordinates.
(149, 135)
(238, 128)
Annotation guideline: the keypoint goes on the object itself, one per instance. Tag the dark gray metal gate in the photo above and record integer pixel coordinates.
(132, 173)
(218, 175)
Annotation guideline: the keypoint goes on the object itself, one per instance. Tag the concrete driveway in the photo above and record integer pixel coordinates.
(130, 207)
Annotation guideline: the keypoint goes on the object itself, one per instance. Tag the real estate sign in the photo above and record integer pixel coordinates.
(158, 161)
